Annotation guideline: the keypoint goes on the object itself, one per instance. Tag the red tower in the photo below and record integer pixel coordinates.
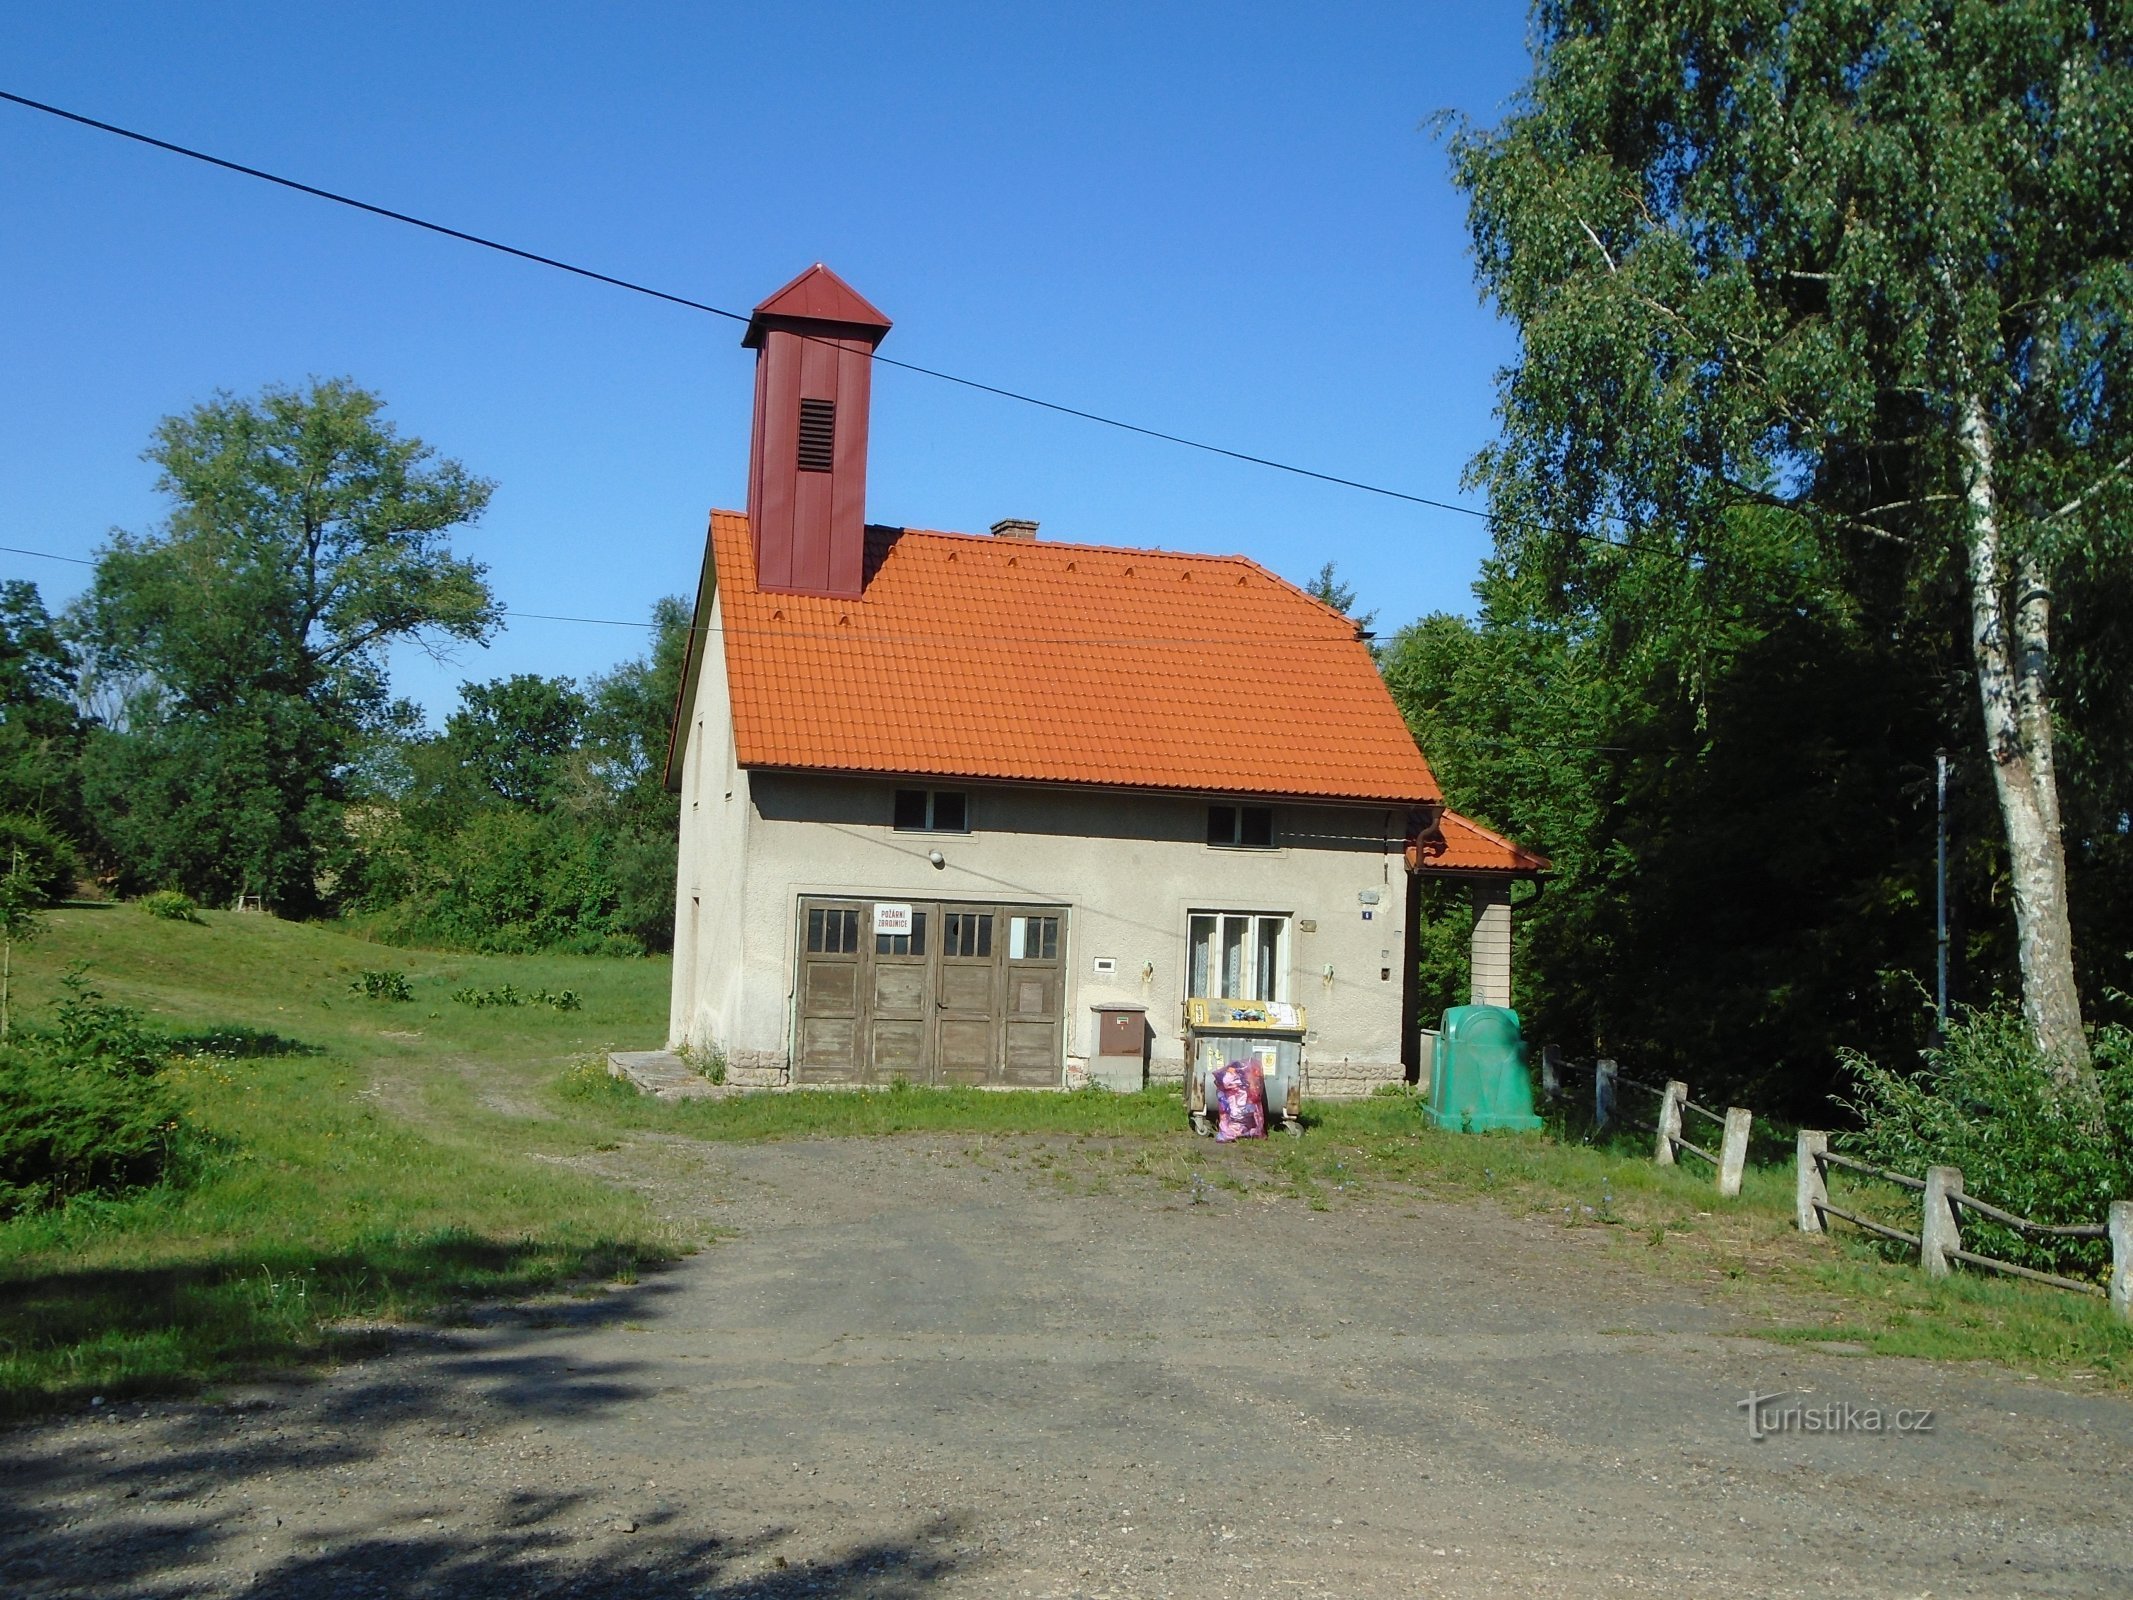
(807, 465)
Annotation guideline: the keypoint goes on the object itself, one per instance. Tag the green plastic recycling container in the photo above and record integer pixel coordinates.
(1478, 1080)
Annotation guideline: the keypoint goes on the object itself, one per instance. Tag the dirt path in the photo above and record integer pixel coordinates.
(912, 1370)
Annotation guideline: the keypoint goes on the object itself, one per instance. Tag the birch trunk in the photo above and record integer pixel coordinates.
(2012, 648)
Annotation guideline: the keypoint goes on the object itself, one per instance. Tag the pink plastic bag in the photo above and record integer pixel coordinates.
(1240, 1102)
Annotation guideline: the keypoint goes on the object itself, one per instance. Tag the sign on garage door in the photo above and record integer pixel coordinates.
(930, 991)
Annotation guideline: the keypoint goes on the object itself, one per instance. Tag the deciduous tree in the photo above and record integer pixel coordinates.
(1870, 266)
(306, 536)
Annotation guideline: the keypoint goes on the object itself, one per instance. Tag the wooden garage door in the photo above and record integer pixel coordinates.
(964, 993)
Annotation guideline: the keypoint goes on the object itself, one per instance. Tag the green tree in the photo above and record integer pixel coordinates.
(21, 896)
(1714, 760)
(514, 737)
(1340, 596)
(306, 536)
(40, 727)
(538, 819)
(1867, 266)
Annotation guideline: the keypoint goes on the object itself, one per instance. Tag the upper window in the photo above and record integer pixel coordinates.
(1241, 827)
(818, 435)
(932, 811)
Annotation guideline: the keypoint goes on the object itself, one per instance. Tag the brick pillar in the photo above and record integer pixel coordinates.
(1490, 952)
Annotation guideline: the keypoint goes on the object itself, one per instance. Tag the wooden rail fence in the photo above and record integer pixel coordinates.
(1939, 1239)
(1728, 1161)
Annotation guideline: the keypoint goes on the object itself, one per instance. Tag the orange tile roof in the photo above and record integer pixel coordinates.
(1035, 661)
(1464, 845)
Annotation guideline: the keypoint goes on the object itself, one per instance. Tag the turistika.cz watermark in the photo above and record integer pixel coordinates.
(1770, 1414)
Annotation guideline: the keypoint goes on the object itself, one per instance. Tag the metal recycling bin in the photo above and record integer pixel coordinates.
(1270, 1033)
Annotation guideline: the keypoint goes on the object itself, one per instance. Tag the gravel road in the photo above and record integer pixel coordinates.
(907, 1371)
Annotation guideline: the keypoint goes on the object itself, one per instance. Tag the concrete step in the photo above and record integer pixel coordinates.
(662, 1074)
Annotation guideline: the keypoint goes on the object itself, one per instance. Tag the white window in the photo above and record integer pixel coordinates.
(1238, 955)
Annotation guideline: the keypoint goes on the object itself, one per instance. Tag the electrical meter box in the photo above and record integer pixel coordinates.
(1120, 1059)
(1478, 1082)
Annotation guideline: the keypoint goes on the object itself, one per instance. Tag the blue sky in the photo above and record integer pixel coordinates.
(1221, 221)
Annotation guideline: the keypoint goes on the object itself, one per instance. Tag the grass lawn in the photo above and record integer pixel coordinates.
(408, 1162)
(349, 1183)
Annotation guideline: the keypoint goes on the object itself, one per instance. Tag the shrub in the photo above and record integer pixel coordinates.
(1984, 1102)
(48, 858)
(89, 1031)
(510, 995)
(70, 1129)
(375, 985)
(171, 905)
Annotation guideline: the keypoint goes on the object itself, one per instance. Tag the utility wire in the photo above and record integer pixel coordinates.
(735, 316)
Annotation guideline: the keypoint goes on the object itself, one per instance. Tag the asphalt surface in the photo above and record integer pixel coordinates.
(907, 1372)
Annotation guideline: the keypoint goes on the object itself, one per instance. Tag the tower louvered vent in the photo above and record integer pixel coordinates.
(818, 434)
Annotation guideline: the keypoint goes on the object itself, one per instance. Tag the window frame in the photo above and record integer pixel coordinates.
(1255, 924)
(929, 825)
(1237, 829)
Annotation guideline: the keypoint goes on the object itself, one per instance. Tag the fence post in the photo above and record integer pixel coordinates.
(1809, 1192)
(1603, 1094)
(1670, 1105)
(1551, 1071)
(1733, 1150)
(2122, 1258)
(1939, 1231)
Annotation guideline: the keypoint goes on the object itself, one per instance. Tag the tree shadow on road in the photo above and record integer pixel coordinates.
(374, 1474)
(67, 1336)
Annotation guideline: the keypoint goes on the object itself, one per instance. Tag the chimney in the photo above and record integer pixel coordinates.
(807, 461)
(1014, 528)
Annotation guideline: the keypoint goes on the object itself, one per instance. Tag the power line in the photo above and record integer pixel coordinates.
(633, 287)
(998, 634)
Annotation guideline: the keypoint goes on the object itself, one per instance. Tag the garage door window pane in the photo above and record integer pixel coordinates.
(1033, 938)
(967, 933)
(904, 944)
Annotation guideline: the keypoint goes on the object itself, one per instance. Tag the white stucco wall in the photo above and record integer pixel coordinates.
(1131, 867)
(712, 860)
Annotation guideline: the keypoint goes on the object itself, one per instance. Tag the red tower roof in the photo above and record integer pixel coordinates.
(817, 295)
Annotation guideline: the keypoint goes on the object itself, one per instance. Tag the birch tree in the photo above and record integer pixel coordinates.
(1866, 265)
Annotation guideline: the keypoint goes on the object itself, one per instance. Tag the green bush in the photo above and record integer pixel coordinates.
(509, 995)
(89, 1031)
(70, 1129)
(1984, 1102)
(171, 905)
(47, 857)
(376, 985)
(513, 882)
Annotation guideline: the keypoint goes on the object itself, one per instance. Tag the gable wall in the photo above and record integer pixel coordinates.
(711, 866)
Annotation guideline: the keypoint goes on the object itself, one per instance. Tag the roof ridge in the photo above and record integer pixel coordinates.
(1026, 546)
